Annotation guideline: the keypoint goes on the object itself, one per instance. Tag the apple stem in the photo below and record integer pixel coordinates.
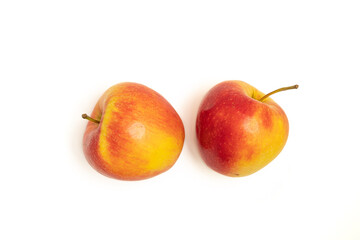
(278, 90)
(85, 116)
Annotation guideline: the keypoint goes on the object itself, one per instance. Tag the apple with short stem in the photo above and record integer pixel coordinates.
(133, 133)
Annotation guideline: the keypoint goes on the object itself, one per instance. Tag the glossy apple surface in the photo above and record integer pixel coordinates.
(138, 134)
(237, 133)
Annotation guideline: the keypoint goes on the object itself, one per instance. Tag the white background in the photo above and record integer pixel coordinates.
(58, 57)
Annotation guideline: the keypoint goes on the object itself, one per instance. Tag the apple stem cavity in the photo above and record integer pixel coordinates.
(278, 90)
(85, 116)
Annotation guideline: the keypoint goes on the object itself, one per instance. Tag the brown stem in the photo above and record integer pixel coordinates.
(278, 90)
(85, 116)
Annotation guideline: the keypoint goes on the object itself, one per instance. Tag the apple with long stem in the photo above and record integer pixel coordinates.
(239, 129)
(133, 133)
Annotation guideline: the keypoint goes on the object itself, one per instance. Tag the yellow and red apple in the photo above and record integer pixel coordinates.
(239, 129)
(133, 133)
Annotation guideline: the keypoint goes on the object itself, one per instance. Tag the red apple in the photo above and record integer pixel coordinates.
(133, 133)
(239, 129)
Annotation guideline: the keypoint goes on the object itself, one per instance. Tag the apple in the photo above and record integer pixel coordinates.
(239, 129)
(133, 133)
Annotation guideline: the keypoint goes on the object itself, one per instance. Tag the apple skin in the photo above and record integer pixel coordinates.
(139, 136)
(237, 134)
